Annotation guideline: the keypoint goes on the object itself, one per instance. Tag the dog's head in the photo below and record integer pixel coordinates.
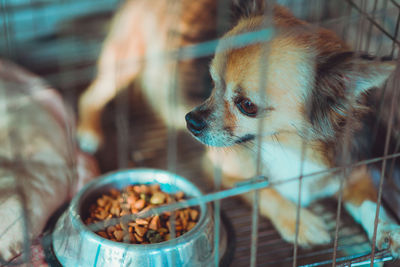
(294, 78)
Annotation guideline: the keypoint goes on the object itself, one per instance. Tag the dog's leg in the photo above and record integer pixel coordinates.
(118, 65)
(282, 213)
(273, 205)
(110, 80)
(360, 197)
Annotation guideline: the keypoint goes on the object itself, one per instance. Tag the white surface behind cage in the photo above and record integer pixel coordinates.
(40, 168)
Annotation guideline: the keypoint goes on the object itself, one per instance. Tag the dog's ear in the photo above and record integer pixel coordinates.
(247, 8)
(352, 75)
(340, 82)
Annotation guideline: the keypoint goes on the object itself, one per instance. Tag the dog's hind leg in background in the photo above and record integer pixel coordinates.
(117, 66)
(140, 36)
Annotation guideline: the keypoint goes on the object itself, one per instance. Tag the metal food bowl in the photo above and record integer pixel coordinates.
(75, 244)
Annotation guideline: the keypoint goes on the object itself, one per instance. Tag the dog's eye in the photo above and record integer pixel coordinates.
(247, 107)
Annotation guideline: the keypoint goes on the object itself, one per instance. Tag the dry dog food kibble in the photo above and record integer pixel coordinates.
(135, 198)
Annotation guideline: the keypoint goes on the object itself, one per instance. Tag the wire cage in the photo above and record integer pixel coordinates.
(61, 41)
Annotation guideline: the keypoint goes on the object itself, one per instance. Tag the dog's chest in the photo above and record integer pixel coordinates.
(284, 166)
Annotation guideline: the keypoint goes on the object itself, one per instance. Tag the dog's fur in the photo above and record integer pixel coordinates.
(304, 85)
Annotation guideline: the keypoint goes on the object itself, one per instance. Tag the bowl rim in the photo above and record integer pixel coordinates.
(103, 180)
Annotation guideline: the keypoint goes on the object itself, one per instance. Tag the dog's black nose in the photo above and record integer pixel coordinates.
(194, 123)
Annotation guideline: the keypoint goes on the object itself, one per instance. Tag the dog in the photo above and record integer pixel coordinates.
(140, 33)
(302, 85)
(312, 101)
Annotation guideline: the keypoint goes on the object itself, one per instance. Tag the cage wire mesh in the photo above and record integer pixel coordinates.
(61, 40)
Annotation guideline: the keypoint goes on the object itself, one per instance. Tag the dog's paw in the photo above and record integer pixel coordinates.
(388, 237)
(312, 229)
(89, 141)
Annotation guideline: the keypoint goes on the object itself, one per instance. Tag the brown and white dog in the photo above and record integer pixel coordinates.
(313, 93)
(303, 83)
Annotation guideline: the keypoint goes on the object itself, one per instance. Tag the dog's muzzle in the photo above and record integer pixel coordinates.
(195, 123)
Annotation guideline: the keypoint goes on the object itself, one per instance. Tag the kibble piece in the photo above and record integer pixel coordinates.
(103, 234)
(144, 189)
(110, 230)
(178, 221)
(132, 238)
(124, 212)
(101, 215)
(194, 214)
(136, 189)
(101, 202)
(169, 199)
(190, 225)
(153, 236)
(184, 224)
(179, 195)
(167, 213)
(150, 206)
(124, 226)
(141, 221)
(163, 230)
(119, 235)
(114, 192)
(108, 206)
(155, 223)
(140, 230)
(155, 187)
(125, 206)
(131, 200)
(115, 210)
(138, 237)
(157, 198)
(139, 204)
(133, 210)
(129, 188)
(145, 197)
(183, 215)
